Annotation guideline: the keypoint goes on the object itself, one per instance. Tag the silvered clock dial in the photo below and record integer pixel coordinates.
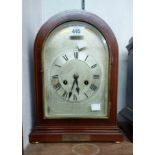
(75, 68)
(75, 64)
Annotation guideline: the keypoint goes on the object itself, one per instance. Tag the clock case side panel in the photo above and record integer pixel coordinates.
(46, 130)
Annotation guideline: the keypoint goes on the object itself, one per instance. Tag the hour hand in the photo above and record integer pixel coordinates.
(77, 89)
(70, 94)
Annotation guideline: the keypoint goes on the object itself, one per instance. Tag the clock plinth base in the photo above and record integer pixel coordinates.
(67, 135)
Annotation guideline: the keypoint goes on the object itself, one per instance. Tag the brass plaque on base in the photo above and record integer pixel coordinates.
(75, 137)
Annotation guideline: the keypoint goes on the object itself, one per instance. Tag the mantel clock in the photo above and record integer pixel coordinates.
(75, 69)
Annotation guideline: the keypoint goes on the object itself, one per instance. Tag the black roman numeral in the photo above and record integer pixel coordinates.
(74, 97)
(64, 95)
(58, 65)
(86, 58)
(55, 77)
(96, 76)
(65, 57)
(93, 87)
(57, 86)
(76, 55)
(93, 66)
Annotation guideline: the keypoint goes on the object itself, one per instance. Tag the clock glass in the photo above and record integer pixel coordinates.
(75, 62)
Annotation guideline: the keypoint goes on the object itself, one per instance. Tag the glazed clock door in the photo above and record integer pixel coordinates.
(75, 72)
(75, 68)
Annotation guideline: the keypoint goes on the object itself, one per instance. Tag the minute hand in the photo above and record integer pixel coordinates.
(70, 93)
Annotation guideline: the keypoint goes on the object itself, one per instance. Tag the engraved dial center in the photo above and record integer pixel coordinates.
(70, 70)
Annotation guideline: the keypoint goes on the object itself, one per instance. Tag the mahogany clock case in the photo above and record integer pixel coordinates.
(57, 130)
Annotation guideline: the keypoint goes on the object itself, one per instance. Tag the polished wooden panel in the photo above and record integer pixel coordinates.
(47, 130)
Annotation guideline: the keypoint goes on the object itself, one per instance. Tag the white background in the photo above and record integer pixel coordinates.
(11, 77)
